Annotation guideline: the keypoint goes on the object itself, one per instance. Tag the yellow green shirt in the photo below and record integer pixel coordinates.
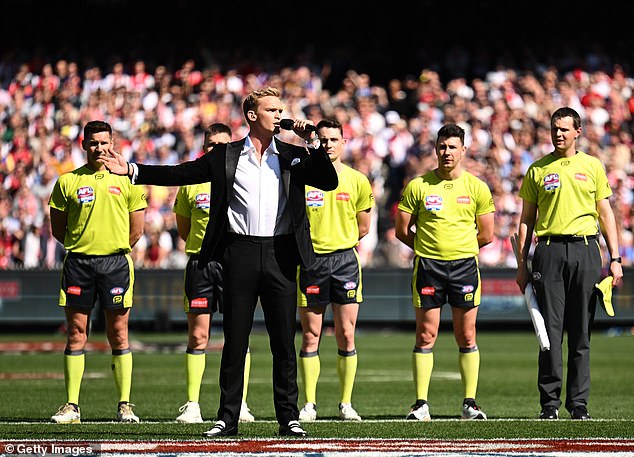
(566, 191)
(98, 206)
(333, 214)
(193, 202)
(446, 212)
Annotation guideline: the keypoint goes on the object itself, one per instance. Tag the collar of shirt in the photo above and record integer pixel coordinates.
(249, 148)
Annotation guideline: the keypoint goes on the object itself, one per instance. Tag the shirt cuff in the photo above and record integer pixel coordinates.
(135, 172)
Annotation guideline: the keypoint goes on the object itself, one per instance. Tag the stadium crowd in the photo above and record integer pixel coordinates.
(159, 114)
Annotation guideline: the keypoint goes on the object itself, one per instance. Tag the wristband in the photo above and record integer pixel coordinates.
(616, 259)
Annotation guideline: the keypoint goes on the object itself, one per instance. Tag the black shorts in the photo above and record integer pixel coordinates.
(108, 278)
(333, 278)
(203, 288)
(436, 282)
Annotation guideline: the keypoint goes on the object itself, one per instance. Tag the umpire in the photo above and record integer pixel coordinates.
(564, 195)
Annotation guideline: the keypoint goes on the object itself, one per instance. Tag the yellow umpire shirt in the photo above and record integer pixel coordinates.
(193, 202)
(446, 212)
(333, 214)
(98, 206)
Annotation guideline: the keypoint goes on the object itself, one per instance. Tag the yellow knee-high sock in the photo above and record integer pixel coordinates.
(74, 364)
(247, 373)
(195, 362)
(469, 362)
(310, 367)
(346, 370)
(122, 371)
(422, 366)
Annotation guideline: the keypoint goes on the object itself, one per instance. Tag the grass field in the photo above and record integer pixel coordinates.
(32, 387)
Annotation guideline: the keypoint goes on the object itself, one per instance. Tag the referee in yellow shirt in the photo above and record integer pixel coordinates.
(452, 213)
(565, 201)
(98, 217)
(338, 220)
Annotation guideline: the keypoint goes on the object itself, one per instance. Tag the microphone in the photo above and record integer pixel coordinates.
(287, 124)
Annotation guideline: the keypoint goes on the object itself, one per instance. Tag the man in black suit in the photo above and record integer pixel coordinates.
(259, 231)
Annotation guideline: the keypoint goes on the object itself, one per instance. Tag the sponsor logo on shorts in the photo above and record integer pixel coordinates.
(551, 181)
(581, 177)
(312, 290)
(427, 291)
(314, 198)
(198, 303)
(468, 288)
(74, 290)
(468, 297)
(350, 285)
(463, 200)
(117, 299)
(116, 291)
(433, 203)
(351, 293)
(85, 194)
(202, 201)
(114, 190)
(344, 196)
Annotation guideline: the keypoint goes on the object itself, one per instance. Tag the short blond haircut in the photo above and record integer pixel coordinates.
(251, 101)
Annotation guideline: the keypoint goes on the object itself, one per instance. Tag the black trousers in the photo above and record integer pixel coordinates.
(264, 268)
(564, 274)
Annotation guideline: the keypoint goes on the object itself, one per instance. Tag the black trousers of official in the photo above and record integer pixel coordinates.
(564, 274)
(264, 268)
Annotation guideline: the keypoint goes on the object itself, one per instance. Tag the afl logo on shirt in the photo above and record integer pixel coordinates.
(433, 203)
(314, 198)
(85, 194)
(202, 201)
(551, 181)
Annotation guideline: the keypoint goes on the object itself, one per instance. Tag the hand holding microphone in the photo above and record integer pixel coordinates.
(302, 128)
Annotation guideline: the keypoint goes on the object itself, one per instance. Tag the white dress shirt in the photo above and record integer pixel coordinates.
(258, 204)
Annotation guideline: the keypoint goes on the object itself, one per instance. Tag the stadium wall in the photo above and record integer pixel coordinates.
(28, 298)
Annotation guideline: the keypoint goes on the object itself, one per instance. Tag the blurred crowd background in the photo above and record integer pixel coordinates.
(391, 76)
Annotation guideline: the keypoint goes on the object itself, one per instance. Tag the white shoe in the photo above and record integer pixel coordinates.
(308, 413)
(67, 414)
(190, 413)
(125, 413)
(347, 412)
(419, 412)
(472, 411)
(245, 413)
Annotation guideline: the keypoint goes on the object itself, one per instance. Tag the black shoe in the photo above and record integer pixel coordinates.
(220, 429)
(292, 429)
(580, 413)
(549, 412)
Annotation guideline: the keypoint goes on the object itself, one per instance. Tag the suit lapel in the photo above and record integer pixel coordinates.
(231, 163)
(285, 164)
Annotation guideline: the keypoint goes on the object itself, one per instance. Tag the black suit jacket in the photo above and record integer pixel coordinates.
(298, 167)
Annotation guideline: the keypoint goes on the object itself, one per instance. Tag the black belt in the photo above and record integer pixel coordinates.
(566, 238)
(77, 255)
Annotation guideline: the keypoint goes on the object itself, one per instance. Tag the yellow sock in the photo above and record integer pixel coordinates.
(74, 364)
(195, 362)
(469, 362)
(247, 372)
(346, 370)
(122, 371)
(310, 367)
(422, 366)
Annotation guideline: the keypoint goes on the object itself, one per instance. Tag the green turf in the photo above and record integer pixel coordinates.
(383, 392)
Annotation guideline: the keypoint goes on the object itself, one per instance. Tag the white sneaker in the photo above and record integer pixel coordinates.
(419, 412)
(125, 413)
(245, 413)
(347, 412)
(190, 413)
(308, 413)
(472, 411)
(67, 414)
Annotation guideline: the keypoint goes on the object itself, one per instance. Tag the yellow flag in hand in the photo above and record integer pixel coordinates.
(605, 289)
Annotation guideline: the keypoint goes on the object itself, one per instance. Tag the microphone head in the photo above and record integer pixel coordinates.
(287, 124)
